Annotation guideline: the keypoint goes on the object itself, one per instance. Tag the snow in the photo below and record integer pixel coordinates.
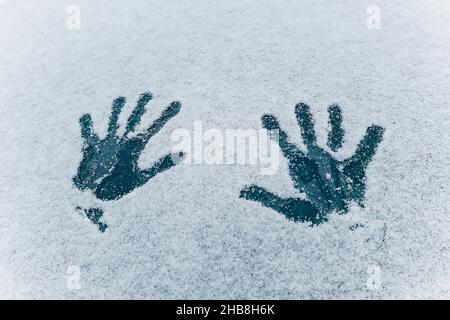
(186, 233)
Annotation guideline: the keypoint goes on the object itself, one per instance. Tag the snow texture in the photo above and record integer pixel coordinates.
(186, 233)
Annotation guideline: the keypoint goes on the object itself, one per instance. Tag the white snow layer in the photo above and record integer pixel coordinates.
(186, 233)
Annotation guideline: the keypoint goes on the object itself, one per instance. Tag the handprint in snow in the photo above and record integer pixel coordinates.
(329, 185)
(109, 167)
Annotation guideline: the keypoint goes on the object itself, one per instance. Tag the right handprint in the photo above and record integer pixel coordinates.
(329, 185)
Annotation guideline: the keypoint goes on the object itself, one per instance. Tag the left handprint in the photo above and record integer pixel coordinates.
(109, 167)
